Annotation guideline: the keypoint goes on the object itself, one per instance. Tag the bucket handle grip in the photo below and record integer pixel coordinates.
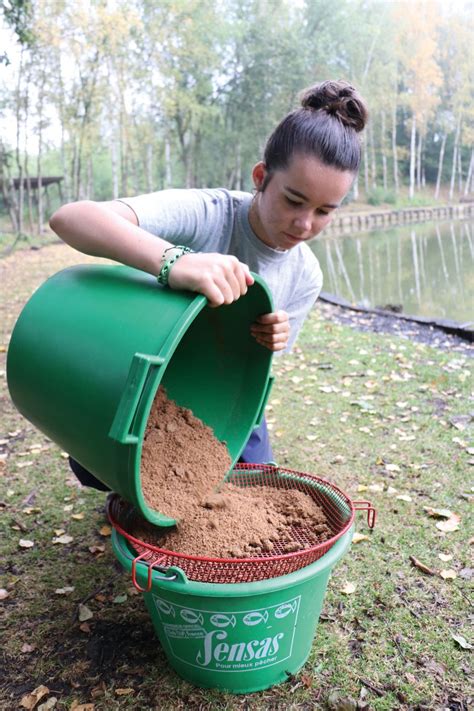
(126, 411)
(371, 512)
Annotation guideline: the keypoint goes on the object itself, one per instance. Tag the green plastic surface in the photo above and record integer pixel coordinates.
(93, 344)
(240, 637)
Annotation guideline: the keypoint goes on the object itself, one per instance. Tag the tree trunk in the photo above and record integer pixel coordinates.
(382, 149)
(394, 149)
(373, 161)
(418, 161)
(460, 169)
(39, 162)
(455, 159)
(18, 102)
(366, 168)
(149, 167)
(440, 165)
(168, 172)
(468, 184)
(412, 157)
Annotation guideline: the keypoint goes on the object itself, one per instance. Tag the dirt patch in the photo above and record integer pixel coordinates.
(182, 465)
(388, 323)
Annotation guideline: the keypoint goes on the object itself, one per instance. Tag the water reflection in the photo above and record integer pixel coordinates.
(427, 269)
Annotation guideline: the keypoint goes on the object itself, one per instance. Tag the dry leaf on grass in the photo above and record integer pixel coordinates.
(28, 648)
(49, 704)
(348, 588)
(449, 526)
(124, 692)
(105, 531)
(84, 613)
(449, 574)
(437, 513)
(30, 700)
(445, 557)
(462, 641)
(24, 543)
(359, 537)
(64, 591)
(4, 594)
(63, 540)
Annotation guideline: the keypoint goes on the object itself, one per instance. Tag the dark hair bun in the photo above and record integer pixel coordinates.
(337, 98)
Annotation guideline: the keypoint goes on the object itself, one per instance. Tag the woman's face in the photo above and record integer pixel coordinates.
(298, 202)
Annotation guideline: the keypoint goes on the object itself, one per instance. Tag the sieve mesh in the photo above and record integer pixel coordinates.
(337, 506)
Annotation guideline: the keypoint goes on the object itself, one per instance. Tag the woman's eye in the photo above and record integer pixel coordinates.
(294, 203)
(322, 212)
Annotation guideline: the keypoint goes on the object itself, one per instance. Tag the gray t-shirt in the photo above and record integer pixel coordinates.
(217, 220)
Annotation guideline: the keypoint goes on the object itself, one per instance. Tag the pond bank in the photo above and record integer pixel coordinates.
(349, 222)
(422, 330)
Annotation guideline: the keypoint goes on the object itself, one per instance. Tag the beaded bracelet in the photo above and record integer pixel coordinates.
(167, 262)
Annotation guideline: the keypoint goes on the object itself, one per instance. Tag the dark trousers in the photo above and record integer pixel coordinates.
(258, 450)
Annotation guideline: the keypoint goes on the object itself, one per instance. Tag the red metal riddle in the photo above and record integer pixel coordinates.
(337, 506)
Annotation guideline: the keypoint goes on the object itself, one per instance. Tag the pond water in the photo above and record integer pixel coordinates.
(428, 268)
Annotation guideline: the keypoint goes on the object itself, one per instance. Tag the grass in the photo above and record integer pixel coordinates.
(375, 414)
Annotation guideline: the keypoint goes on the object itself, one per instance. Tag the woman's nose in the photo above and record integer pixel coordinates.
(304, 222)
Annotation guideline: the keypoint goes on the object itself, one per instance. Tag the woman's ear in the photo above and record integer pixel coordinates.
(259, 173)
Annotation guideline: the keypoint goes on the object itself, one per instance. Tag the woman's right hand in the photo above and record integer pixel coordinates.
(221, 278)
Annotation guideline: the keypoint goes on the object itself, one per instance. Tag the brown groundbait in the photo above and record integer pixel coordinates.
(182, 466)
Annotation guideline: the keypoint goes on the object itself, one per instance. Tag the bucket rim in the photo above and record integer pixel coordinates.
(185, 586)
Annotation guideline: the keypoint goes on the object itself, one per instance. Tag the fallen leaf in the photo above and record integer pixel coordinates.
(437, 513)
(124, 692)
(119, 599)
(404, 497)
(84, 613)
(64, 591)
(4, 594)
(21, 465)
(449, 574)
(64, 540)
(452, 524)
(59, 531)
(359, 537)
(30, 700)
(336, 701)
(362, 487)
(463, 643)
(392, 468)
(49, 704)
(85, 627)
(105, 531)
(28, 648)
(76, 706)
(78, 516)
(445, 557)
(24, 543)
(348, 589)
(311, 438)
(97, 549)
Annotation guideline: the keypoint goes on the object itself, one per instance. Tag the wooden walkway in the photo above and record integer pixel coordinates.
(350, 222)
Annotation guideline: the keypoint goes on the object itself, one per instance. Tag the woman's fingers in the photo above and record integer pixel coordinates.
(272, 330)
(221, 278)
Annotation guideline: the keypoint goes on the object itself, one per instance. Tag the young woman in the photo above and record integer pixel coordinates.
(208, 241)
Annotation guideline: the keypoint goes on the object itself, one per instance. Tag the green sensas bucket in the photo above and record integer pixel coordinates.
(93, 344)
(239, 637)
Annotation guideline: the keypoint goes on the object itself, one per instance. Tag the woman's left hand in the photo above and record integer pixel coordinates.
(272, 330)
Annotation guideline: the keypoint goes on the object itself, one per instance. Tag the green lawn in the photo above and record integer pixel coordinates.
(383, 418)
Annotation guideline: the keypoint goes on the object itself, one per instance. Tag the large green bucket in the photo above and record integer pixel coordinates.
(239, 637)
(93, 344)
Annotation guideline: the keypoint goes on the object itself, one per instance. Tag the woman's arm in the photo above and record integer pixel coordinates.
(110, 229)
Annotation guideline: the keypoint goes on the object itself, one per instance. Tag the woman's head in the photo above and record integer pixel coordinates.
(326, 127)
(310, 161)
